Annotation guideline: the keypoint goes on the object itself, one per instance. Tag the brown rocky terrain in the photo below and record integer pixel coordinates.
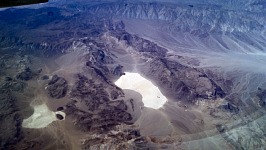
(71, 66)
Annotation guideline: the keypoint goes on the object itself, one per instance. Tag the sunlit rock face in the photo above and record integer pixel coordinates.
(41, 117)
(151, 95)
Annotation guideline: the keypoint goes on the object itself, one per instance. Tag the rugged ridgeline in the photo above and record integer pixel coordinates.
(94, 91)
(14, 75)
(211, 28)
(95, 105)
(11, 120)
(248, 5)
(197, 19)
(176, 80)
(52, 33)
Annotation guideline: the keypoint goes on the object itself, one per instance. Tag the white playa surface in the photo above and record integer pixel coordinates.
(151, 95)
(41, 117)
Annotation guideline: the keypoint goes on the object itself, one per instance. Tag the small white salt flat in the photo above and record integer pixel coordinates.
(41, 117)
(151, 95)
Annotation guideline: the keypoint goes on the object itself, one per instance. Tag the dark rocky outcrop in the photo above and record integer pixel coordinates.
(230, 107)
(188, 83)
(10, 127)
(97, 114)
(221, 128)
(45, 77)
(60, 117)
(134, 133)
(98, 70)
(60, 108)
(26, 75)
(115, 94)
(141, 45)
(57, 87)
(118, 71)
(117, 115)
(180, 82)
(117, 138)
(13, 84)
(142, 143)
(219, 92)
(261, 94)
(101, 57)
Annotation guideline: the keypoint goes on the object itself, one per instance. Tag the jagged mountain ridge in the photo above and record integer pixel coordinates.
(187, 18)
(250, 5)
(232, 15)
(241, 30)
(211, 27)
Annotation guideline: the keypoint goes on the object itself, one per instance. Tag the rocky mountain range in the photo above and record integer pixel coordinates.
(206, 57)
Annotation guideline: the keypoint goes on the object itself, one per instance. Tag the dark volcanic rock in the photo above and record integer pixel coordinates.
(142, 143)
(82, 86)
(60, 117)
(101, 57)
(263, 103)
(182, 82)
(115, 94)
(204, 96)
(235, 99)
(8, 79)
(45, 77)
(140, 44)
(57, 87)
(179, 81)
(18, 86)
(14, 85)
(135, 133)
(219, 92)
(230, 107)
(98, 114)
(25, 75)
(10, 127)
(60, 108)
(117, 115)
(98, 70)
(221, 128)
(118, 70)
(28, 74)
(101, 73)
(262, 96)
